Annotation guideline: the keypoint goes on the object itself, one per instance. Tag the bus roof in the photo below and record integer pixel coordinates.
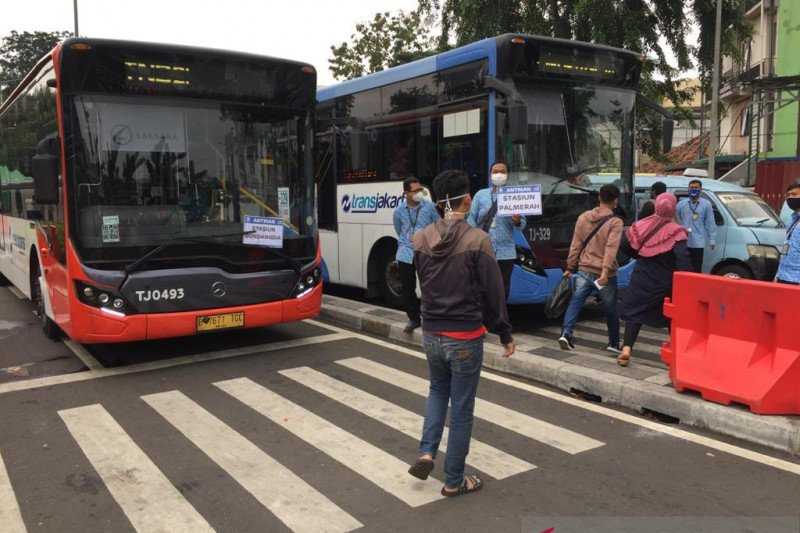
(483, 49)
(191, 50)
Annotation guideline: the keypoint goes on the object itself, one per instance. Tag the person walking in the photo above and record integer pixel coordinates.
(659, 245)
(462, 294)
(483, 215)
(789, 268)
(592, 264)
(697, 216)
(649, 207)
(410, 217)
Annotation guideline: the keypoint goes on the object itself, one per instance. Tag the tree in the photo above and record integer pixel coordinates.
(19, 53)
(386, 41)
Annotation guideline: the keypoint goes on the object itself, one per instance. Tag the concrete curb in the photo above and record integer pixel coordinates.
(778, 432)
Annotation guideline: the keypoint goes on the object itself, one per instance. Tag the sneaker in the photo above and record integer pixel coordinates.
(565, 341)
(616, 350)
(411, 325)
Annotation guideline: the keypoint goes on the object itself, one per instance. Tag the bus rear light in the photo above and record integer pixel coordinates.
(518, 40)
(80, 47)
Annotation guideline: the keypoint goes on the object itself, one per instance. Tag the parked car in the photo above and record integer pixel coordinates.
(749, 232)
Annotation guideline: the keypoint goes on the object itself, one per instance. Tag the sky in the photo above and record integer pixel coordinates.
(302, 30)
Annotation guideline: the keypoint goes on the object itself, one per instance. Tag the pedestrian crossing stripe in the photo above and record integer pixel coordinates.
(484, 457)
(10, 517)
(144, 493)
(365, 459)
(527, 426)
(293, 501)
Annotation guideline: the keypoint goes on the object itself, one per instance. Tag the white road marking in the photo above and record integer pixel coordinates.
(83, 354)
(377, 466)
(146, 496)
(730, 449)
(168, 363)
(489, 459)
(296, 503)
(10, 517)
(533, 428)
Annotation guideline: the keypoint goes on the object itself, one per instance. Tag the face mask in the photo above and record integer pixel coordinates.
(418, 197)
(498, 180)
(793, 203)
(694, 193)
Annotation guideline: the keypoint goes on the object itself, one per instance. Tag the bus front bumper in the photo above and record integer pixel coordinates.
(94, 326)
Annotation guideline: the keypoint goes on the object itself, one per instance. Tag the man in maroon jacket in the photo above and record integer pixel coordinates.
(462, 294)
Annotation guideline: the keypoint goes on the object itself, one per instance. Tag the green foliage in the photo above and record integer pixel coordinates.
(386, 41)
(19, 53)
(656, 28)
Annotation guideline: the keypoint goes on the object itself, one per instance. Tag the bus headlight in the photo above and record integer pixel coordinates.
(103, 299)
(308, 281)
(763, 251)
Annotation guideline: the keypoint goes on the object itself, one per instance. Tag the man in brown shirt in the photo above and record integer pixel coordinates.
(592, 264)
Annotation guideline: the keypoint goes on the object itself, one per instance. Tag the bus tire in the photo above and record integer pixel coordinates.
(735, 272)
(389, 276)
(50, 328)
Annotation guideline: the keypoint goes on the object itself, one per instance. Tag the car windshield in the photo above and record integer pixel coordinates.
(148, 171)
(750, 210)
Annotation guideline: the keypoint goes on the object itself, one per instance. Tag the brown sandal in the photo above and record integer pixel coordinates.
(477, 485)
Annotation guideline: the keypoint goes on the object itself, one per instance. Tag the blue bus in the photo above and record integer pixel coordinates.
(557, 112)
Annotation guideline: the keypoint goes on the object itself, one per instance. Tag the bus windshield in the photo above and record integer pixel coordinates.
(573, 132)
(149, 170)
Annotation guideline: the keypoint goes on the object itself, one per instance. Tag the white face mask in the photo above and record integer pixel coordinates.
(499, 179)
(418, 197)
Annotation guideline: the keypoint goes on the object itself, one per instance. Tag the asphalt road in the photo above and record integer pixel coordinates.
(305, 428)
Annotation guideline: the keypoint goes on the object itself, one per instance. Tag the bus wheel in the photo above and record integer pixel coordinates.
(735, 272)
(50, 328)
(391, 285)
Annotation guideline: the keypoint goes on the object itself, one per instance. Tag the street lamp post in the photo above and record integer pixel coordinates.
(712, 156)
(75, 11)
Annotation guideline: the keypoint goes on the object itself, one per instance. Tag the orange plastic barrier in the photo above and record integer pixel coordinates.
(735, 341)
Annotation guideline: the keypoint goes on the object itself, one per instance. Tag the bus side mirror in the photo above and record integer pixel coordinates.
(667, 128)
(45, 179)
(518, 123)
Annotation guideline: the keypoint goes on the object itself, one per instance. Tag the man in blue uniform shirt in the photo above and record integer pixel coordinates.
(789, 269)
(697, 215)
(410, 217)
(483, 215)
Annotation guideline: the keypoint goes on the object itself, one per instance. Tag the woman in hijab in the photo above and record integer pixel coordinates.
(659, 244)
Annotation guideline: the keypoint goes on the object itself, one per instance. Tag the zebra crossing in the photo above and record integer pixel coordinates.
(150, 501)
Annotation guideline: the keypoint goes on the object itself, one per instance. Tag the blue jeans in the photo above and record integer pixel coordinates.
(583, 287)
(455, 368)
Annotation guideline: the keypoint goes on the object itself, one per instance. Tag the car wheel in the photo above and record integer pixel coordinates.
(735, 272)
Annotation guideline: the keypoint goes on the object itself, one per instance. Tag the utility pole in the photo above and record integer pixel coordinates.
(75, 11)
(714, 126)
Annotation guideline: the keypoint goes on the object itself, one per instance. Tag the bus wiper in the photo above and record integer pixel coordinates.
(759, 222)
(294, 263)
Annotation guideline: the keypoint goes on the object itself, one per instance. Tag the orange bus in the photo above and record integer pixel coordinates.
(153, 191)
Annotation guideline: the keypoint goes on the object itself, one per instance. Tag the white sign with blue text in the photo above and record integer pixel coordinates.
(263, 231)
(519, 200)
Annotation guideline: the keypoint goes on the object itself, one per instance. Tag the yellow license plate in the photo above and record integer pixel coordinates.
(225, 321)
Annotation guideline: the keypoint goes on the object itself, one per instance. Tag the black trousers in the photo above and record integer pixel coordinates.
(696, 257)
(632, 330)
(408, 277)
(506, 268)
